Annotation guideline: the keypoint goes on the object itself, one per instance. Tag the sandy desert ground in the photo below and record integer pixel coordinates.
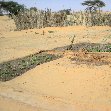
(59, 85)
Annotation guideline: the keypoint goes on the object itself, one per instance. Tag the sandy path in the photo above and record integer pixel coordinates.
(16, 105)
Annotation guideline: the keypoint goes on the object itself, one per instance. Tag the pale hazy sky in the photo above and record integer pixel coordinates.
(59, 4)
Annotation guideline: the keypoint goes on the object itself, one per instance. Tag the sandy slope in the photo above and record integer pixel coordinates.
(60, 85)
(6, 24)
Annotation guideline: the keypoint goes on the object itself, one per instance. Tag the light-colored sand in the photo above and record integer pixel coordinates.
(6, 24)
(60, 85)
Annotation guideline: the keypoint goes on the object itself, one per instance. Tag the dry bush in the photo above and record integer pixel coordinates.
(29, 19)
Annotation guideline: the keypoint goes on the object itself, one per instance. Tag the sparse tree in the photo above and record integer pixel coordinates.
(33, 8)
(93, 6)
(89, 4)
(99, 4)
(11, 7)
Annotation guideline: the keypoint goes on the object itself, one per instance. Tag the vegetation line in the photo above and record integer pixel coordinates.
(14, 68)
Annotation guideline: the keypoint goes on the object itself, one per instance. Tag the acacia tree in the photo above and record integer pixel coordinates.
(89, 4)
(99, 4)
(92, 7)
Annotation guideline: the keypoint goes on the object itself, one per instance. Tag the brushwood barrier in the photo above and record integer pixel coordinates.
(29, 19)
